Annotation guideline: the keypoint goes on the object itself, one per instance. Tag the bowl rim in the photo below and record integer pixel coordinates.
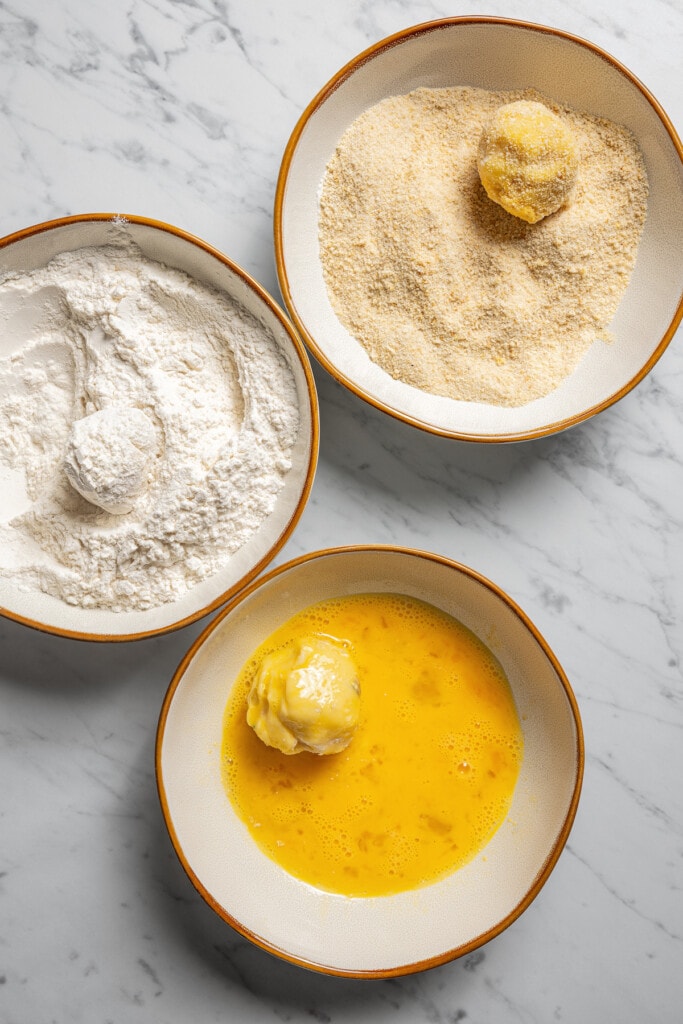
(302, 355)
(281, 267)
(544, 871)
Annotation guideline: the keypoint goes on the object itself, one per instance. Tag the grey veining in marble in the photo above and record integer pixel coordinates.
(179, 110)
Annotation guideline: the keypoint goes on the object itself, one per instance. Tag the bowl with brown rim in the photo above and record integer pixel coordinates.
(28, 327)
(505, 55)
(377, 936)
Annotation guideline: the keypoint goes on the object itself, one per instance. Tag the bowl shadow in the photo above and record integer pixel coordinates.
(36, 660)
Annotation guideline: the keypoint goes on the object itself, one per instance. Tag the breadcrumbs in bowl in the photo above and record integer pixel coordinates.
(426, 296)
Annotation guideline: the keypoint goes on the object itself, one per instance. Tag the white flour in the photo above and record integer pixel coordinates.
(107, 329)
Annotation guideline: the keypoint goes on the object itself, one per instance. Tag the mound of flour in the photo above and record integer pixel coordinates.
(105, 328)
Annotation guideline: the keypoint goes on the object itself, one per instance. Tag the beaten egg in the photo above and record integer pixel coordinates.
(428, 776)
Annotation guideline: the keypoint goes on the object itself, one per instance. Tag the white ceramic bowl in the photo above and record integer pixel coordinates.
(493, 54)
(380, 936)
(33, 248)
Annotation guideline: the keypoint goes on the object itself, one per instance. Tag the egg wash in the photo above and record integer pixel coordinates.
(428, 776)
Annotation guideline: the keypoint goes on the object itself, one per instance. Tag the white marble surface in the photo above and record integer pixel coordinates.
(179, 110)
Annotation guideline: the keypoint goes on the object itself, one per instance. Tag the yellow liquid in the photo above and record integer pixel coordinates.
(428, 776)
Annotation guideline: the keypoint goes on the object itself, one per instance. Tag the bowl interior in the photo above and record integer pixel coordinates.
(167, 245)
(492, 55)
(386, 935)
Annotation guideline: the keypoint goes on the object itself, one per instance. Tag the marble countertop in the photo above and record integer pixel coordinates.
(179, 110)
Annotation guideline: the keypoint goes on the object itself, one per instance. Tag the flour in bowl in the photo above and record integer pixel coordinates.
(147, 426)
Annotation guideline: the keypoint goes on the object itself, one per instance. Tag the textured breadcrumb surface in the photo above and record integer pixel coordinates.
(446, 290)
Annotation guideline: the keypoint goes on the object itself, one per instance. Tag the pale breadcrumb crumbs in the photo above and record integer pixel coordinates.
(446, 290)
